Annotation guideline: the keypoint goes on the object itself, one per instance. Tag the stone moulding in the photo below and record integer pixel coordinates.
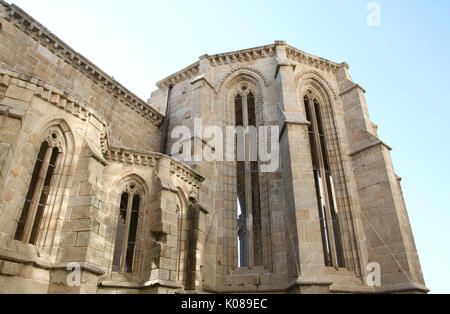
(317, 75)
(186, 174)
(246, 55)
(237, 69)
(149, 159)
(50, 93)
(139, 286)
(180, 76)
(348, 90)
(242, 55)
(127, 156)
(367, 147)
(34, 29)
(305, 58)
(79, 109)
(34, 259)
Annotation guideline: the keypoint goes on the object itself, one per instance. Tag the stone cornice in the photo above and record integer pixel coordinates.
(37, 261)
(246, 55)
(186, 173)
(305, 58)
(34, 29)
(138, 285)
(4, 3)
(217, 60)
(129, 156)
(181, 76)
(242, 55)
(50, 93)
(76, 107)
(149, 159)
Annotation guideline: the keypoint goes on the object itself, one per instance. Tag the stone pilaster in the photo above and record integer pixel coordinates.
(385, 220)
(305, 252)
(81, 240)
(164, 230)
(195, 245)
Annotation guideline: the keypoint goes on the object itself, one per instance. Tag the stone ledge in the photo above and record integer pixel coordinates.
(11, 111)
(351, 289)
(306, 281)
(161, 283)
(379, 142)
(118, 284)
(292, 119)
(201, 78)
(248, 289)
(21, 258)
(94, 269)
(352, 88)
(137, 285)
(402, 288)
(284, 62)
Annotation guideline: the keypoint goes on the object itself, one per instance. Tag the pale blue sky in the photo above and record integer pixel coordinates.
(404, 65)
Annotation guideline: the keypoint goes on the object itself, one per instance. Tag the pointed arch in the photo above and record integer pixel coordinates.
(130, 194)
(320, 102)
(250, 73)
(317, 80)
(242, 92)
(44, 199)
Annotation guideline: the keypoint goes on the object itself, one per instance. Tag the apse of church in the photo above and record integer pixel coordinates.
(94, 181)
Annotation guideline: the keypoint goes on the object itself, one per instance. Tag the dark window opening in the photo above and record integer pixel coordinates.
(37, 196)
(126, 234)
(255, 191)
(248, 188)
(120, 233)
(241, 194)
(132, 233)
(328, 214)
(31, 191)
(44, 196)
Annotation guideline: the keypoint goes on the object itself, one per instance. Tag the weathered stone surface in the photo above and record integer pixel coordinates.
(114, 192)
(9, 268)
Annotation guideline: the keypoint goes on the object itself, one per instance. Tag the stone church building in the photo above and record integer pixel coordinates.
(93, 201)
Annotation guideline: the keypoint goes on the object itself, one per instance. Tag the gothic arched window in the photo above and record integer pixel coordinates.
(42, 181)
(328, 211)
(248, 187)
(127, 226)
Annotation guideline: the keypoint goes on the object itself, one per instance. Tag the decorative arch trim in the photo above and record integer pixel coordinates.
(122, 183)
(316, 76)
(65, 141)
(242, 70)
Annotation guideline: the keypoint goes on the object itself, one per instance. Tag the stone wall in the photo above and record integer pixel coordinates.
(294, 252)
(186, 229)
(27, 47)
